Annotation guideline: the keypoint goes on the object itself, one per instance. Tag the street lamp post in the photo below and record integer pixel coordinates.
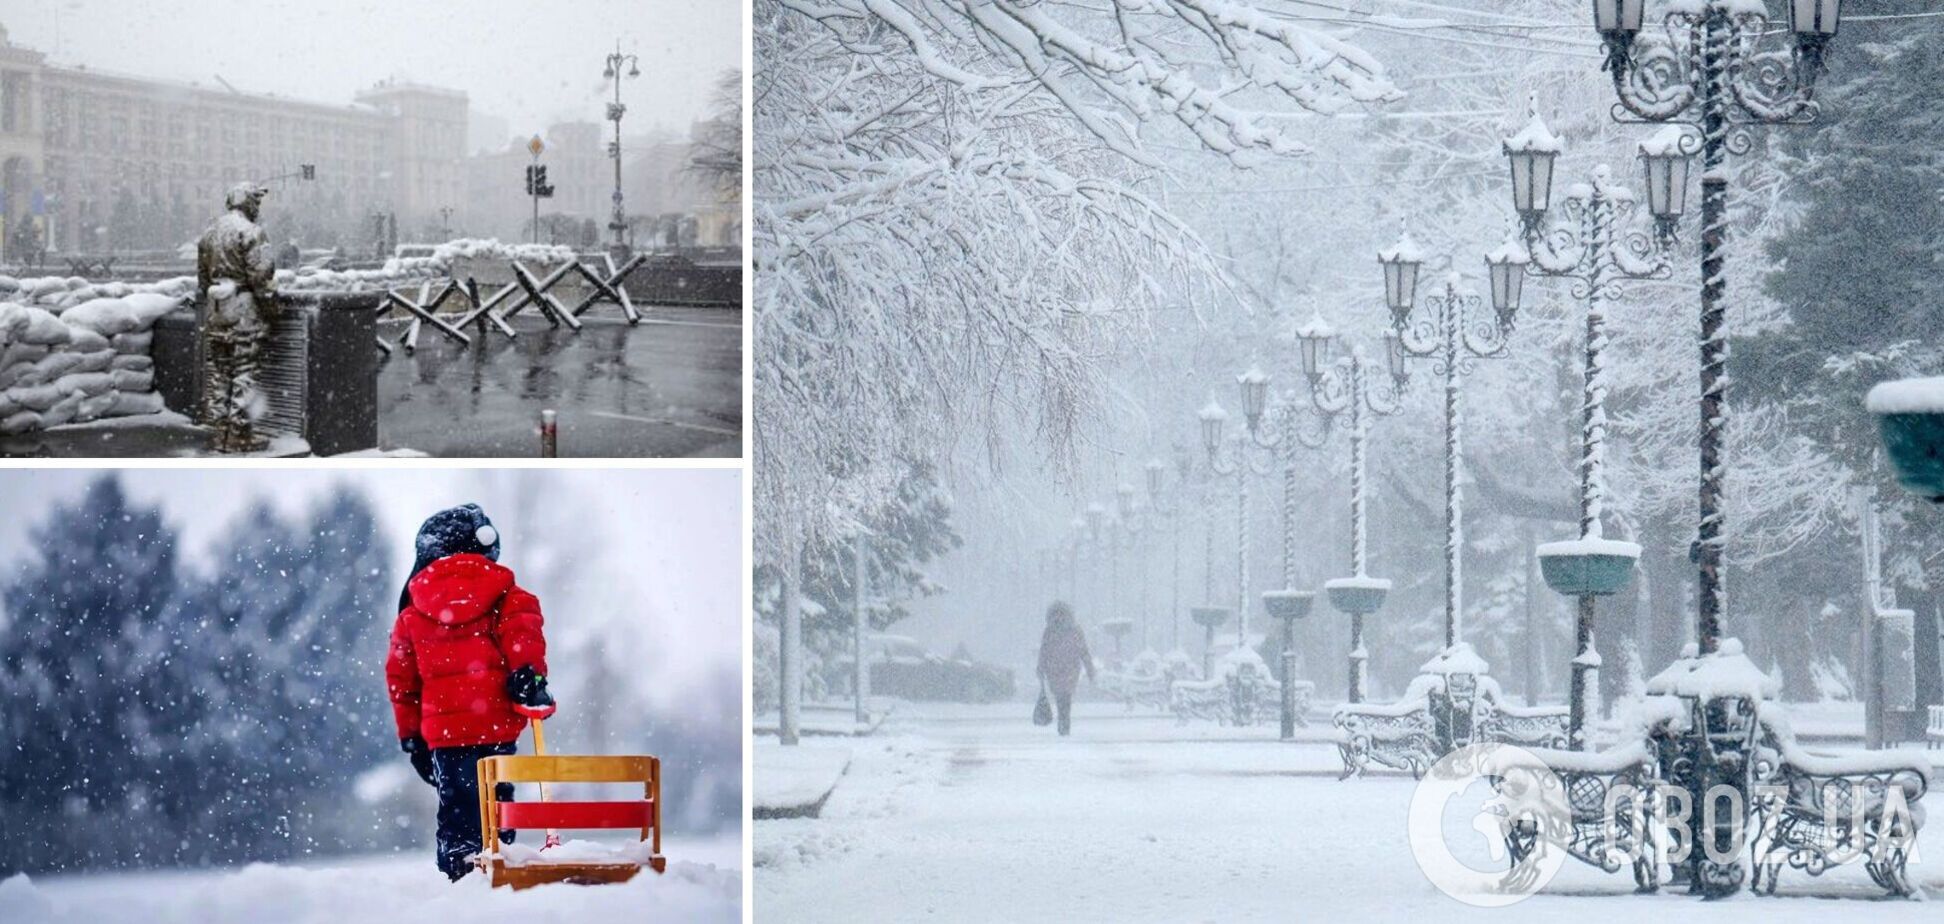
(1241, 464)
(615, 110)
(1130, 528)
(1712, 71)
(1287, 604)
(1594, 248)
(1339, 386)
(1450, 333)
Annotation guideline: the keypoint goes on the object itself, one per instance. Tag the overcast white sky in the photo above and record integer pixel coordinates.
(529, 62)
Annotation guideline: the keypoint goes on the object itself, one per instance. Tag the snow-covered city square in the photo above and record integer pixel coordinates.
(1379, 460)
(290, 229)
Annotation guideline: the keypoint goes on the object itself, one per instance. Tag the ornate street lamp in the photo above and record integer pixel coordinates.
(1450, 332)
(1711, 70)
(619, 223)
(1338, 388)
(1596, 249)
(1241, 463)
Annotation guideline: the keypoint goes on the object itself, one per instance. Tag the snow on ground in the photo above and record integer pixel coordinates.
(972, 813)
(701, 884)
(796, 777)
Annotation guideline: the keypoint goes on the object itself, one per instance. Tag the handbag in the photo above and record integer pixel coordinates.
(1043, 710)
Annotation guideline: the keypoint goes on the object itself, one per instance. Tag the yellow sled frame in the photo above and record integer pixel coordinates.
(535, 769)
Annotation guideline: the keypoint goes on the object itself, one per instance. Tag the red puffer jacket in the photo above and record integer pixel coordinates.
(467, 628)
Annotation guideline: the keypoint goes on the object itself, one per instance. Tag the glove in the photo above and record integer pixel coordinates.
(528, 690)
(421, 757)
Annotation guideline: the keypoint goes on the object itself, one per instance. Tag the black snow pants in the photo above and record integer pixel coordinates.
(455, 771)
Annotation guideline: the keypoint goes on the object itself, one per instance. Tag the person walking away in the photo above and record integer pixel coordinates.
(467, 668)
(1063, 655)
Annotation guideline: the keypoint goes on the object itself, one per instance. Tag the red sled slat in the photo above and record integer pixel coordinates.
(530, 815)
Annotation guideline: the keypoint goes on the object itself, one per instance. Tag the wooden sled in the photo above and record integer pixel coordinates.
(494, 815)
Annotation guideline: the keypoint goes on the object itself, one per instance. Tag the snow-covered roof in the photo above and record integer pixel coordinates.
(1670, 140)
(1315, 327)
(1406, 250)
(1534, 138)
(1590, 545)
(1460, 658)
(1360, 582)
(1726, 672)
(1511, 251)
(1907, 396)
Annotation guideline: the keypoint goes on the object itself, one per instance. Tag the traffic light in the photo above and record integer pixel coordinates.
(536, 182)
(309, 171)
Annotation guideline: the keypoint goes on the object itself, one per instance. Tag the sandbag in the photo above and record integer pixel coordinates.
(22, 353)
(28, 324)
(20, 422)
(36, 397)
(49, 369)
(130, 403)
(62, 412)
(107, 316)
(97, 361)
(149, 307)
(132, 362)
(137, 342)
(98, 406)
(132, 380)
(87, 384)
(83, 340)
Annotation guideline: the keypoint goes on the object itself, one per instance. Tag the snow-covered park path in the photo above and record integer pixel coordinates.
(971, 813)
(701, 884)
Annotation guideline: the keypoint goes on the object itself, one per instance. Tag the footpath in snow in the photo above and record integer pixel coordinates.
(701, 884)
(971, 813)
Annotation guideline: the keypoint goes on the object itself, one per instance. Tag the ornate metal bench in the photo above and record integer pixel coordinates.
(1241, 692)
(1452, 703)
(1814, 811)
(1144, 681)
(1525, 726)
(1611, 797)
(1398, 735)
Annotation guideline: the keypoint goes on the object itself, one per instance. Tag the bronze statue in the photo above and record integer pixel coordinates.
(236, 279)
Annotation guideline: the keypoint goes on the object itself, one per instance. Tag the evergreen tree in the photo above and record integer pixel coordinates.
(90, 698)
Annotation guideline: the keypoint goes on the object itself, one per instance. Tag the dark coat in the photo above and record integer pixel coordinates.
(1063, 654)
(467, 626)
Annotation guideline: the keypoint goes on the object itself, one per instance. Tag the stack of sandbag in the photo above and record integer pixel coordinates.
(71, 351)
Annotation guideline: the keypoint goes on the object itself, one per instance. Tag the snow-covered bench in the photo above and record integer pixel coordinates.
(1451, 703)
(1612, 811)
(1398, 735)
(1241, 692)
(1147, 679)
(1816, 811)
(1525, 726)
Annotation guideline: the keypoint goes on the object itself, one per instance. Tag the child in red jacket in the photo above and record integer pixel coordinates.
(467, 668)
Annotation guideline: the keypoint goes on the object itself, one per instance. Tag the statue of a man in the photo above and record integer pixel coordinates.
(236, 278)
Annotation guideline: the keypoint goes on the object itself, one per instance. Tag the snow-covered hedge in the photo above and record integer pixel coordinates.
(73, 351)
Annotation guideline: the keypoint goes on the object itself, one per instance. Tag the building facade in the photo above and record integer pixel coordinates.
(94, 162)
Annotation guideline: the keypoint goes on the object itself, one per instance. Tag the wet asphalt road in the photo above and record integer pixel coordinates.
(670, 387)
